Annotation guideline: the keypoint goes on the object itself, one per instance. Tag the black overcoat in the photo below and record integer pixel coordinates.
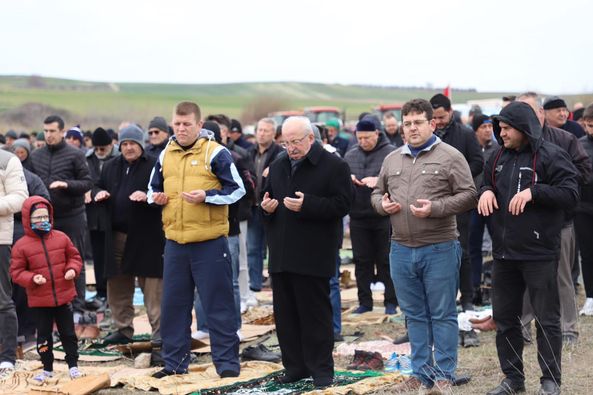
(307, 242)
(143, 254)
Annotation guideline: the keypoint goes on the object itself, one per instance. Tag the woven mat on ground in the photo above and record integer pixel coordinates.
(95, 379)
(199, 378)
(344, 383)
(249, 332)
(376, 316)
(384, 347)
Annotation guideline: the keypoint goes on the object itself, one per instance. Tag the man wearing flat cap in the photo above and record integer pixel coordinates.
(557, 113)
(369, 231)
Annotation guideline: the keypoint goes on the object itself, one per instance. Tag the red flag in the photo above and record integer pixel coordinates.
(447, 92)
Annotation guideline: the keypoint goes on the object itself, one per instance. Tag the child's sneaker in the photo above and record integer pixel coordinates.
(42, 377)
(392, 364)
(405, 364)
(75, 373)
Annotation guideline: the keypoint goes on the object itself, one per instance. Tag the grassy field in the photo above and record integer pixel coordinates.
(95, 104)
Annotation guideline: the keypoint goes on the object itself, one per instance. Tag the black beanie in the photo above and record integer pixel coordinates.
(100, 138)
(479, 120)
(554, 102)
(236, 126)
(365, 126)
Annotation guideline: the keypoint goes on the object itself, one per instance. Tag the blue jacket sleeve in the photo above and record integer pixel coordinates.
(156, 178)
(232, 186)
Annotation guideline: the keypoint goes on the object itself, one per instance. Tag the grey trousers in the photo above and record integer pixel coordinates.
(568, 303)
(8, 321)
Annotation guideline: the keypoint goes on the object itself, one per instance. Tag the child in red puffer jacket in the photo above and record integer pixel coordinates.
(45, 263)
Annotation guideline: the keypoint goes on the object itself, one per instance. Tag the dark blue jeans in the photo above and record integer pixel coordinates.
(476, 238)
(256, 249)
(206, 265)
(427, 279)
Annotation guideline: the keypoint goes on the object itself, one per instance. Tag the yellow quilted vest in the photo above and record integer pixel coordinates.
(185, 171)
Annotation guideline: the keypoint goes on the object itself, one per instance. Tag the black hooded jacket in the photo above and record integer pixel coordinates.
(535, 233)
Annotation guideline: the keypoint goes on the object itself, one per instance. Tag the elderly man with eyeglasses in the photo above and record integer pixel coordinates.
(307, 192)
(158, 136)
(421, 187)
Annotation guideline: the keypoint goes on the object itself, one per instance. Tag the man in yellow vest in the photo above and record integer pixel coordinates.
(195, 180)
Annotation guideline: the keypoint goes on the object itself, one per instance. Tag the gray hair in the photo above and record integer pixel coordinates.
(269, 121)
(303, 121)
(532, 95)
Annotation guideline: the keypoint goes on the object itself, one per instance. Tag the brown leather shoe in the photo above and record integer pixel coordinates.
(441, 387)
(411, 384)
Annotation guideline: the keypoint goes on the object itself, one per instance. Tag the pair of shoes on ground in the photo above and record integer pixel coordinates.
(390, 309)
(365, 360)
(399, 363)
(260, 353)
(509, 387)
(469, 339)
(44, 376)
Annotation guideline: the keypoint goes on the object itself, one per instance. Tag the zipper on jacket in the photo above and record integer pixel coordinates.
(51, 273)
(506, 212)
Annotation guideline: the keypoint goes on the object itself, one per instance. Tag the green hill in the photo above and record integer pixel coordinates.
(24, 100)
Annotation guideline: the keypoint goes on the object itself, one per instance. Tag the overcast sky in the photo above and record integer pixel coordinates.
(488, 45)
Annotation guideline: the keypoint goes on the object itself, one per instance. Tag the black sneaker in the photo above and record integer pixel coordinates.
(507, 387)
(116, 338)
(287, 378)
(549, 387)
(228, 373)
(163, 373)
(470, 339)
(260, 353)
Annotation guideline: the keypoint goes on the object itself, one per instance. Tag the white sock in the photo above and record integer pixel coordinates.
(6, 365)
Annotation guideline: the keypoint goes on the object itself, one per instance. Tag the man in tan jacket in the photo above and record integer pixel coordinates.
(422, 186)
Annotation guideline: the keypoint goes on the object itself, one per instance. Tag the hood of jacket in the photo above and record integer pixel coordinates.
(26, 213)
(520, 116)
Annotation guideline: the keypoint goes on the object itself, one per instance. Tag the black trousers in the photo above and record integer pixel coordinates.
(370, 249)
(97, 238)
(75, 228)
(62, 316)
(509, 281)
(583, 224)
(303, 314)
(465, 270)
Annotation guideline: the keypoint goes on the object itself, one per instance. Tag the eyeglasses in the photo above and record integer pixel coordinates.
(40, 218)
(417, 123)
(293, 142)
(151, 132)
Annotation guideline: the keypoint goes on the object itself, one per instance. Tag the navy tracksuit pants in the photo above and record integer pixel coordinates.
(206, 265)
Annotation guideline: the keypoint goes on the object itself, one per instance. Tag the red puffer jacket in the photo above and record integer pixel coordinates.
(51, 256)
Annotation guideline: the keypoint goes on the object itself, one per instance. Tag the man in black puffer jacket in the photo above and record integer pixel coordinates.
(527, 185)
(65, 173)
(369, 231)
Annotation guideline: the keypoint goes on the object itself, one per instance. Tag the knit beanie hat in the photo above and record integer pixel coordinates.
(159, 123)
(132, 133)
(479, 120)
(76, 133)
(23, 143)
(100, 138)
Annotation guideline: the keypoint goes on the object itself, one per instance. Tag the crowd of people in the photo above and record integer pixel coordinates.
(191, 209)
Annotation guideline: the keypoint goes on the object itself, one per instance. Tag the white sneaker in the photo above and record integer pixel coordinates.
(42, 377)
(240, 335)
(75, 373)
(200, 335)
(251, 300)
(243, 307)
(587, 308)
